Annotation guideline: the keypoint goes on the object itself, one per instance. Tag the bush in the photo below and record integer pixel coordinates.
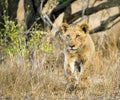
(14, 41)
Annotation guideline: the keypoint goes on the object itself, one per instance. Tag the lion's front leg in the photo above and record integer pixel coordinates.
(69, 68)
(70, 79)
(72, 75)
(78, 71)
(81, 70)
(68, 73)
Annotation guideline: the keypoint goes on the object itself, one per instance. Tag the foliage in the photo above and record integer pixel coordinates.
(39, 40)
(12, 39)
(15, 42)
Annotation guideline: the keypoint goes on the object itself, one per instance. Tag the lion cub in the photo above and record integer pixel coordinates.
(78, 50)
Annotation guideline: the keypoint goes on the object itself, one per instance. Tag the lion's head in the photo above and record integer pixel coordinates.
(74, 36)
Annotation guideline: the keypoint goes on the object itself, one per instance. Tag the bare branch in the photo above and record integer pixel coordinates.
(105, 24)
(59, 9)
(35, 22)
(93, 10)
(84, 7)
(113, 24)
(67, 13)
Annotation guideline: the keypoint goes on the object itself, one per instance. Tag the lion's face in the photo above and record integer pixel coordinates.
(74, 36)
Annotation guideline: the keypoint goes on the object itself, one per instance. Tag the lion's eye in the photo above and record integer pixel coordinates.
(68, 36)
(77, 36)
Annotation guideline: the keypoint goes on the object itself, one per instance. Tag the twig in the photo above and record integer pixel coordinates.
(86, 4)
(45, 17)
(113, 24)
(29, 30)
(84, 8)
(41, 14)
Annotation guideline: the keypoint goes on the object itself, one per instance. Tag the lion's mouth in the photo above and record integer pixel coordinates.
(71, 50)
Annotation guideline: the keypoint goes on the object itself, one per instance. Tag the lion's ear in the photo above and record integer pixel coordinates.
(64, 27)
(85, 27)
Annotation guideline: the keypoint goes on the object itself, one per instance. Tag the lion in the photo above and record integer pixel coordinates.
(79, 50)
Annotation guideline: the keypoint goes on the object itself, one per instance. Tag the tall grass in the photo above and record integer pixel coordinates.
(36, 72)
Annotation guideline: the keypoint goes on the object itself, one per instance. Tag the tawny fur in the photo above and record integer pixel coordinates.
(78, 50)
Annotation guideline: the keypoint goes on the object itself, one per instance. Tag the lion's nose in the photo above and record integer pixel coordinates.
(71, 45)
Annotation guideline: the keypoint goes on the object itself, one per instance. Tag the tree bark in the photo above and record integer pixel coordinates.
(1, 14)
(12, 9)
(32, 8)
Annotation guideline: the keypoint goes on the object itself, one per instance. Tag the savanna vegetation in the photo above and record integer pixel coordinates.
(31, 51)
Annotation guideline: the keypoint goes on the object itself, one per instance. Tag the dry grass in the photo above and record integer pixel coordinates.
(42, 78)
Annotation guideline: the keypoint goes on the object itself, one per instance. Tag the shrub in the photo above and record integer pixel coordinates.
(14, 41)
